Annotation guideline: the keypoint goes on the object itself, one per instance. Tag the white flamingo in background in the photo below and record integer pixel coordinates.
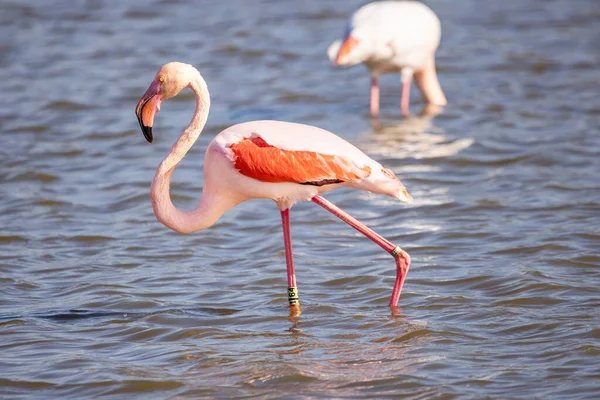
(275, 160)
(393, 36)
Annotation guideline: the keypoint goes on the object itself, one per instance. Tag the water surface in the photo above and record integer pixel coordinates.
(98, 299)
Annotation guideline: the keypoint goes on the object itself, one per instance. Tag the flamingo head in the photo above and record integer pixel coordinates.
(340, 50)
(171, 79)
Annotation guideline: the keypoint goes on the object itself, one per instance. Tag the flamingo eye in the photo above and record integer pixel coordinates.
(161, 78)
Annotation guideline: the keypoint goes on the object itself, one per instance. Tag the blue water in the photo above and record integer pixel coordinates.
(99, 300)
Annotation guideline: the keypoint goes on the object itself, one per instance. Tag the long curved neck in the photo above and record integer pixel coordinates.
(427, 80)
(209, 210)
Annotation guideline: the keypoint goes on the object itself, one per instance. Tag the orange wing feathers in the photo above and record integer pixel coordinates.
(257, 159)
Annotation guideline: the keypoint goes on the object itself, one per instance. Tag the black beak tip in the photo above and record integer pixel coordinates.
(147, 131)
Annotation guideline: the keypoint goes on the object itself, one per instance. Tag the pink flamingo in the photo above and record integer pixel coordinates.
(282, 161)
(393, 36)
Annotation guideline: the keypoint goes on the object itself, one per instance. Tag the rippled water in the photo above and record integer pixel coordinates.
(98, 299)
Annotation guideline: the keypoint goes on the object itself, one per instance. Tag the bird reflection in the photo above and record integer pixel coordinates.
(413, 137)
(375, 348)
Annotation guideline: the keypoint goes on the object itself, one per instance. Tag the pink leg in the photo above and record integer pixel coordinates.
(289, 258)
(374, 96)
(405, 95)
(402, 258)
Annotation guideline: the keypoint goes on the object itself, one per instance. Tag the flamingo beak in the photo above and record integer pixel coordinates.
(345, 49)
(147, 108)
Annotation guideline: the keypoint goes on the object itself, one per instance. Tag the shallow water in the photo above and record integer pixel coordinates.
(98, 299)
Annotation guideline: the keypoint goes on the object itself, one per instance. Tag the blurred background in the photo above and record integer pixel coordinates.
(98, 299)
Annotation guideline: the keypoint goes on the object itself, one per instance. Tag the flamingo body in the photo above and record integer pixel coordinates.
(393, 37)
(282, 161)
(261, 155)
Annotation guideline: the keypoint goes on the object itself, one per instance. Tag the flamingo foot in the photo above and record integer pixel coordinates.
(402, 266)
(295, 311)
